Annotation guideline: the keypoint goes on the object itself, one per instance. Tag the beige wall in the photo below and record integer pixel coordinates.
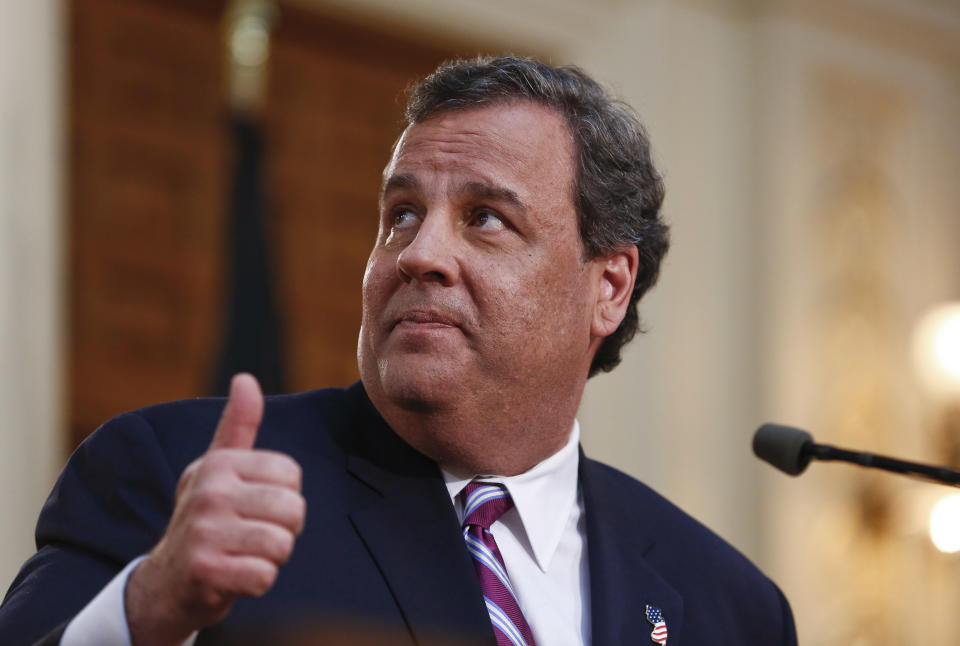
(30, 270)
(861, 218)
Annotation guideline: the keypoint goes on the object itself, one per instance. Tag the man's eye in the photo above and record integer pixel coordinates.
(400, 224)
(488, 220)
(403, 218)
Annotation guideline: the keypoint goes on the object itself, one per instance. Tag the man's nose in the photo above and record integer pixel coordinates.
(431, 255)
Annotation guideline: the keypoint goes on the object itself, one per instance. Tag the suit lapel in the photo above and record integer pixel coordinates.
(413, 535)
(622, 582)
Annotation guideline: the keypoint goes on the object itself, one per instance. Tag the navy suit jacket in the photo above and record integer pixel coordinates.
(381, 546)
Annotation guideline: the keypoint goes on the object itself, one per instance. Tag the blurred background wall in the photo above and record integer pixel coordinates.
(811, 154)
(33, 437)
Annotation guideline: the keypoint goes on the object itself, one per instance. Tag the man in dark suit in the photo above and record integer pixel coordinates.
(519, 226)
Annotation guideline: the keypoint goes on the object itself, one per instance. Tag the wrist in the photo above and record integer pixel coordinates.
(154, 618)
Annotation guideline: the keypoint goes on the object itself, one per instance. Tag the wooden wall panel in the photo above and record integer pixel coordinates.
(149, 169)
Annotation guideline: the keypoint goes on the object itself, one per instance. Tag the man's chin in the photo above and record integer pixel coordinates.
(423, 388)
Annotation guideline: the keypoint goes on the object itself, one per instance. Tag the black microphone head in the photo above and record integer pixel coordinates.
(783, 447)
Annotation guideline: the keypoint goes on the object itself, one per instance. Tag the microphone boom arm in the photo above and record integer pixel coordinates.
(828, 453)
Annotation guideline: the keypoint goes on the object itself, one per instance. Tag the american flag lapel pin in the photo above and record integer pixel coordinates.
(659, 633)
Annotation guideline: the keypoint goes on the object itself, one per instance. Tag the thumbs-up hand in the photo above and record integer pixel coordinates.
(238, 512)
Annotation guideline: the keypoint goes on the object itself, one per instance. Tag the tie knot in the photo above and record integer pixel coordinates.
(484, 503)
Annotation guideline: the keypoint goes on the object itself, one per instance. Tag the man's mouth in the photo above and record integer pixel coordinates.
(426, 318)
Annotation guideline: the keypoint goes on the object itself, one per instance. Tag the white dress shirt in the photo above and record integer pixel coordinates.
(103, 621)
(542, 540)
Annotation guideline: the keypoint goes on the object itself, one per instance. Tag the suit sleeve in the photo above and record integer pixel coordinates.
(110, 504)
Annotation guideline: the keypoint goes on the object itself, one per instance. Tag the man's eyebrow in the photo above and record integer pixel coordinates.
(474, 190)
(484, 191)
(394, 182)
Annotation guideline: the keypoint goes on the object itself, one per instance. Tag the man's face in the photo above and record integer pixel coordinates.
(476, 296)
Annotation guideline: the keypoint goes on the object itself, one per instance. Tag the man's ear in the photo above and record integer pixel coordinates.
(618, 271)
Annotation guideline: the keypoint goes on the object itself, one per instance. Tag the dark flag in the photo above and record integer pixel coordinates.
(252, 340)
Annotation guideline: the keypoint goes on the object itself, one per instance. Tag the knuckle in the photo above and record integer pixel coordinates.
(187, 478)
(262, 579)
(282, 465)
(273, 543)
(296, 471)
(286, 499)
(190, 472)
(285, 544)
(212, 494)
(201, 569)
(210, 597)
(202, 534)
(288, 510)
(254, 541)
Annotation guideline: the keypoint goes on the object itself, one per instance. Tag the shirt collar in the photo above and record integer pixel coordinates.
(543, 496)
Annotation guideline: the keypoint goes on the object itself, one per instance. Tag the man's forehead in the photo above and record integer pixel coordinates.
(466, 134)
(525, 139)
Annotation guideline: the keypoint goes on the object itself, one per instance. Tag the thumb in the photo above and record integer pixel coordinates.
(241, 416)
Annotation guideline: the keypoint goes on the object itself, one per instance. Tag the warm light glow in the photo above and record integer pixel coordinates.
(937, 350)
(945, 524)
(948, 346)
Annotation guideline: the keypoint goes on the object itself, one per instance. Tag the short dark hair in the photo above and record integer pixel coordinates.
(617, 191)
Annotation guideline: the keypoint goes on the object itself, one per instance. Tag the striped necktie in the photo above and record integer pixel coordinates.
(483, 504)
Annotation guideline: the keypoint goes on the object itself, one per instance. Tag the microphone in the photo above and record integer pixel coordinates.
(791, 449)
